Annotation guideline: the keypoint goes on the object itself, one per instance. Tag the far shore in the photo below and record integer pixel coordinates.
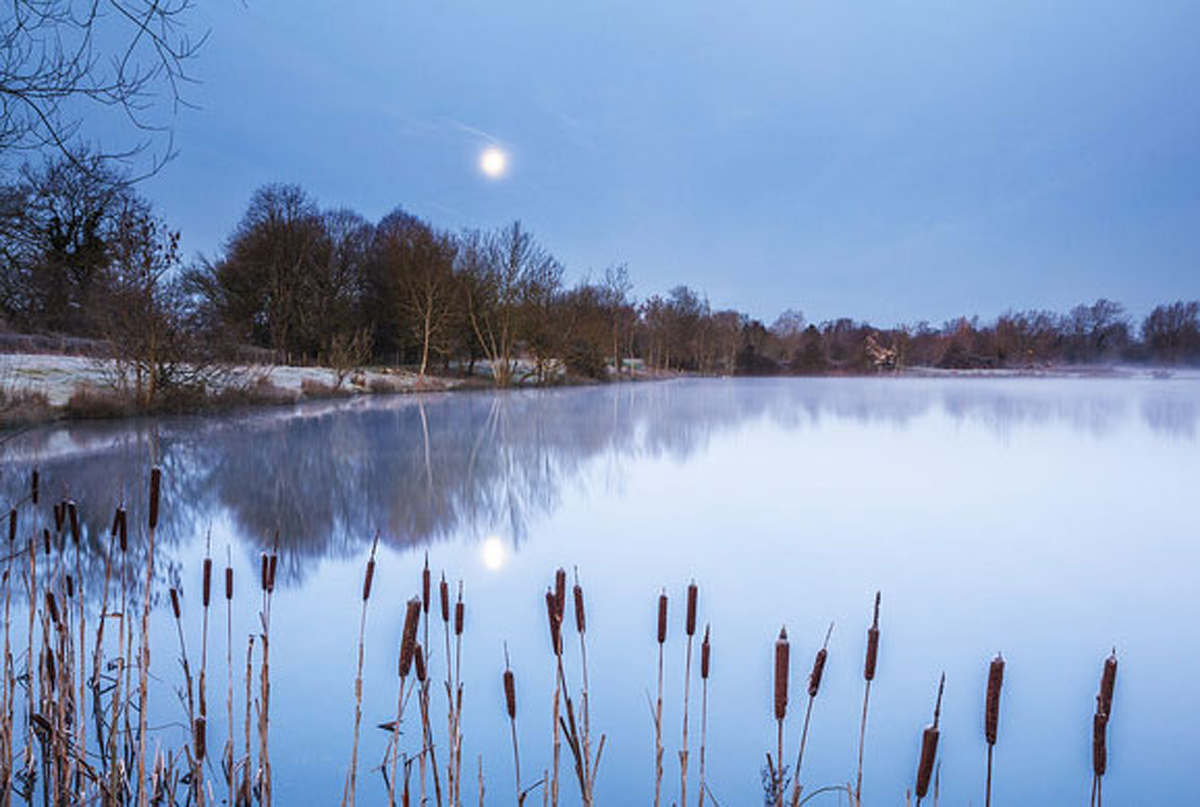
(38, 388)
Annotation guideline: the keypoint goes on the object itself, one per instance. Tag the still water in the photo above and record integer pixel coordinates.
(1051, 520)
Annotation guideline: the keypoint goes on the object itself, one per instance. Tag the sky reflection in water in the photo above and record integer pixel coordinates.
(1048, 519)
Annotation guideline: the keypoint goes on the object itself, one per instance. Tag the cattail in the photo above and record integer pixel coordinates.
(425, 581)
(112, 533)
(991, 721)
(419, 663)
(368, 578)
(59, 515)
(458, 616)
(33, 487)
(52, 607)
(1108, 683)
(444, 594)
(818, 670)
(12, 525)
(46, 541)
(662, 617)
(560, 593)
(554, 622)
(175, 602)
(206, 588)
(48, 665)
(70, 586)
(272, 562)
(782, 652)
(73, 513)
(929, 744)
(123, 532)
(155, 484)
(199, 738)
(228, 582)
(264, 571)
(872, 644)
(705, 655)
(408, 638)
(1099, 743)
(580, 614)
(691, 609)
(510, 694)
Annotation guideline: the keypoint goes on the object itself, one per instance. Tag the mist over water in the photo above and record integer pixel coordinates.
(1048, 519)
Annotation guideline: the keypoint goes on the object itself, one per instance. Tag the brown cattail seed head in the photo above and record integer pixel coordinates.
(782, 653)
(155, 485)
(228, 582)
(818, 670)
(1099, 743)
(580, 614)
(175, 602)
(872, 644)
(458, 616)
(70, 586)
(705, 655)
(367, 580)
(123, 530)
(59, 515)
(560, 593)
(264, 568)
(929, 744)
(1108, 683)
(46, 541)
(272, 563)
(52, 607)
(662, 617)
(33, 487)
(12, 525)
(199, 740)
(425, 585)
(691, 609)
(554, 622)
(510, 694)
(48, 664)
(419, 663)
(116, 523)
(73, 513)
(444, 594)
(408, 638)
(991, 718)
(206, 588)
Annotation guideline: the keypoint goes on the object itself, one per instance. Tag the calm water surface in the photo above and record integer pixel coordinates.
(1048, 519)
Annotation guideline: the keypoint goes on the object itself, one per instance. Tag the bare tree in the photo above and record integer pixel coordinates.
(59, 59)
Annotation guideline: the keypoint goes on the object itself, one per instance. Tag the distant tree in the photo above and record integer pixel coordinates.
(622, 311)
(786, 331)
(1172, 332)
(809, 358)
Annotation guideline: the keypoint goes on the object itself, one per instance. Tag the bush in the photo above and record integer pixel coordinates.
(89, 402)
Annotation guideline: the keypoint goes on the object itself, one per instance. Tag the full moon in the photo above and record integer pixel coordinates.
(493, 162)
(493, 553)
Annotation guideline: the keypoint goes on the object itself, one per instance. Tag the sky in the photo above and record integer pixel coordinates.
(896, 162)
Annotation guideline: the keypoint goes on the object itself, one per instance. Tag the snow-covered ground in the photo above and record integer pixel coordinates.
(58, 377)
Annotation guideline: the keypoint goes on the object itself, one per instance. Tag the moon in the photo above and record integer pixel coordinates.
(493, 162)
(493, 553)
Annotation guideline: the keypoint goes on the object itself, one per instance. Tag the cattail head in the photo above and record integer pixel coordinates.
(33, 486)
(458, 613)
(175, 602)
(419, 663)
(872, 644)
(228, 582)
(155, 485)
(46, 541)
(52, 607)
(425, 585)
(444, 594)
(554, 622)
(929, 744)
(116, 523)
(662, 617)
(70, 586)
(580, 614)
(1099, 743)
(510, 694)
(560, 593)
(691, 609)
(123, 528)
(73, 518)
(782, 658)
(12, 525)
(991, 718)
(206, 582)
(60, 515)
(408, 637)
(370, 575)
(818, 670)
(272, 563)
(705, 655)
(264, 569)
(48, 664)
(198, 738)
(1108, 683)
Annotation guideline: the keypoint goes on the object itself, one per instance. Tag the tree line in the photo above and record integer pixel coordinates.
(82, 254)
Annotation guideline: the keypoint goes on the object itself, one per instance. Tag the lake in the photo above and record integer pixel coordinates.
(1048, 519)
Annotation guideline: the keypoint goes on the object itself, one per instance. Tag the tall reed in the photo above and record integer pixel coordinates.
(929, 744)
(690, 629)
(872, 657)
(352, 776)
(782, 673)
(144, 655)
(408, 644)
(991, 716)
(658, 702)
(1104, 701)
(814, 686)
(705, 666)
(510, 706)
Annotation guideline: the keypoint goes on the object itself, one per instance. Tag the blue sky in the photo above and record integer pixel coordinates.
(891, 161)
